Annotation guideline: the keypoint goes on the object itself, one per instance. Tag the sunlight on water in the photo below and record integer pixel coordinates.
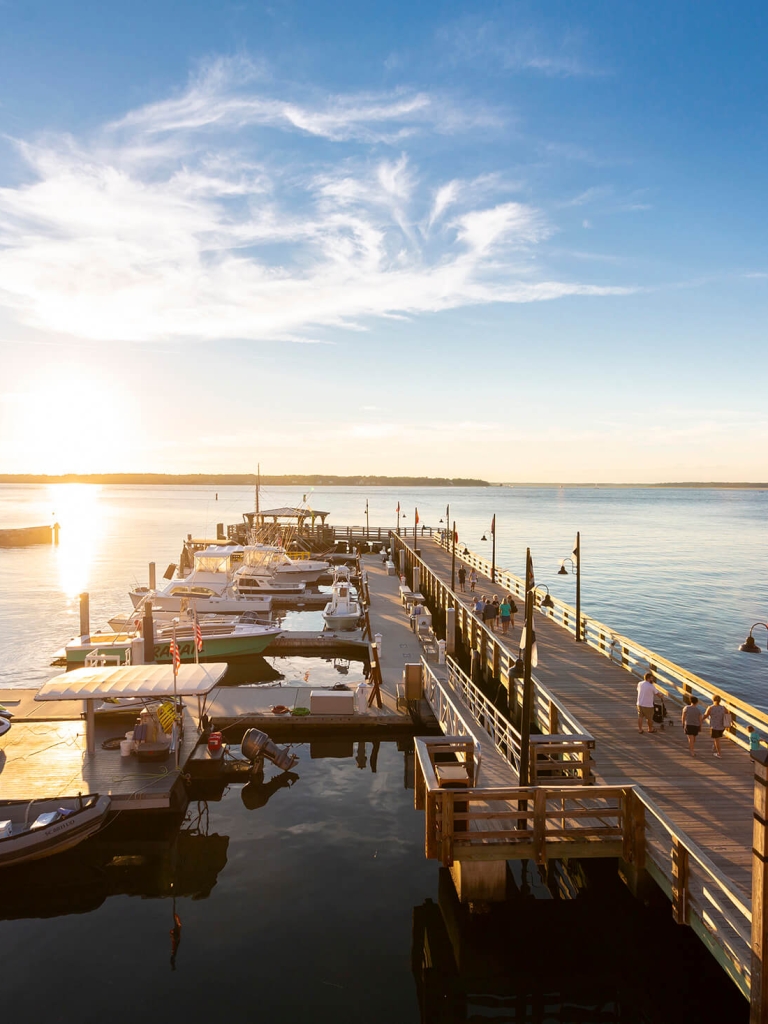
(78, 510)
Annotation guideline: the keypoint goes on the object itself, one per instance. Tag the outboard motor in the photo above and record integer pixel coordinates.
(257, 744)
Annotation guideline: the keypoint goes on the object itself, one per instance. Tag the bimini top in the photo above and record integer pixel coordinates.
(133, 681)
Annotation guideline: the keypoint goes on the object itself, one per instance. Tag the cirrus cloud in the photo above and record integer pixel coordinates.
(178, 222)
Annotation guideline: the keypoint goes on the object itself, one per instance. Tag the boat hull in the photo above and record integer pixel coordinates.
(341, 620)
(214, 649)
(56, 838)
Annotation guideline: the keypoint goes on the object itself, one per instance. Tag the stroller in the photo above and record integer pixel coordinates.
(660, 712)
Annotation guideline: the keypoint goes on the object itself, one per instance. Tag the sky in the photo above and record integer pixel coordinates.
(516, 241)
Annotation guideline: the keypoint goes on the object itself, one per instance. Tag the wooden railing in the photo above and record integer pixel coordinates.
(675, 682)
(565, 758)
(556, 821)
(550, 714)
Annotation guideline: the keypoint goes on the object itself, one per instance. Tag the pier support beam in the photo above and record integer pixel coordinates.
(477, 880)
(758, 1007)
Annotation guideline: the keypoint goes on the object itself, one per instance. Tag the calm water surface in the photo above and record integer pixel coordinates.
(308, 898)
(683, 571)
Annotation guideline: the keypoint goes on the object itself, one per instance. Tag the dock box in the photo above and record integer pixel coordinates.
(390, 568)
(332, 702)
(413, 686)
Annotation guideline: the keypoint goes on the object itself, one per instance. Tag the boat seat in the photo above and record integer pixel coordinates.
(6, 829)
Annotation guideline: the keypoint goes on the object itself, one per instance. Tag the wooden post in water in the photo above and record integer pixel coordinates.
(152, 576)
(85, 616)
(758, 1008)
(56, 529)
(149, 634)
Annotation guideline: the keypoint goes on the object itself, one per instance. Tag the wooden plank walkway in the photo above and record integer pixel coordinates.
(709, 799)
(44, 760)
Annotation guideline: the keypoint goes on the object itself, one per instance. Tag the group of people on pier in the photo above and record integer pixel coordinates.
(693, 717)
(496, 614)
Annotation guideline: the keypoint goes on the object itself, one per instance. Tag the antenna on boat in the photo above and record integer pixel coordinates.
(258, 487)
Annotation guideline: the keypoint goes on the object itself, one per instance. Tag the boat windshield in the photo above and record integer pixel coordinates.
(212, 563)
(192, 592)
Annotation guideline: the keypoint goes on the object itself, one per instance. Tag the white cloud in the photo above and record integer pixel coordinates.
(166, 225)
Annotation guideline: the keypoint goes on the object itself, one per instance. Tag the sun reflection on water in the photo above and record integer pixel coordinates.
(78, 510)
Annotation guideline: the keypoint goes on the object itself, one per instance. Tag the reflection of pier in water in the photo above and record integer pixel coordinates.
(540, 959)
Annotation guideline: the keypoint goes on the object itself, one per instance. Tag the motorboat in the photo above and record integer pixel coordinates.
(343, 611)
(223, 638)
(206, 589)
(32, 829)
(256, 575)
(302, 570)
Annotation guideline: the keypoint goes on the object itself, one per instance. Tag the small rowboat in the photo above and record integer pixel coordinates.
(33, 829)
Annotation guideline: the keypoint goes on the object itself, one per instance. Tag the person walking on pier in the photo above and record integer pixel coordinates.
(692, 718)
(505, 611)
(489, 614)
(462, 578)
(478, 606)
(646, 691)
(716, 714)
(472, 581)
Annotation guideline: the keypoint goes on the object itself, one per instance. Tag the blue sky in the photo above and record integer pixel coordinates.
(517, 241)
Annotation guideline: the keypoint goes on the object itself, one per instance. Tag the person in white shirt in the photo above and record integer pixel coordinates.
(646, 691)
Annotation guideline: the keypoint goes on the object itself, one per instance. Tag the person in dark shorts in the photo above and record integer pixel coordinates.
(692, 719)
(462, 577)
(716, 714)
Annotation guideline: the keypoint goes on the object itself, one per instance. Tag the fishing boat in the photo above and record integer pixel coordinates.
(207, 589)
(283, 567)
(222, 640)
(33, 829)
(343, 611)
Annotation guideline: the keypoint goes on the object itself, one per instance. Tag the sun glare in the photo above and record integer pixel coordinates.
(69, 425)
(78, 510)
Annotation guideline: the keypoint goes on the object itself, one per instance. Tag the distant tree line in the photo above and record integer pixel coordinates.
(242, 479)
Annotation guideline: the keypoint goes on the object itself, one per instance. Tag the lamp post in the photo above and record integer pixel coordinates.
(453, 556)
(493, 548)
(367, 528)
(576, 569)
(749, 646)
(525, 714)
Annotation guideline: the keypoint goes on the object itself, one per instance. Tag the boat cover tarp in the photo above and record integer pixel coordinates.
(133, 681)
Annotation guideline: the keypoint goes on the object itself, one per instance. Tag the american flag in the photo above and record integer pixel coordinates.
(175, 655)
(198, 635)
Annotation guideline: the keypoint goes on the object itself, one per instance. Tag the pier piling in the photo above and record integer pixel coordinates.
(85, 616)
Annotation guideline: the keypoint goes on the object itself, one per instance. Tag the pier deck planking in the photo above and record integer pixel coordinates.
(709, 799)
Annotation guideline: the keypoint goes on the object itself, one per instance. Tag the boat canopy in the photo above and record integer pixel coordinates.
(211, 560)
(133, 681)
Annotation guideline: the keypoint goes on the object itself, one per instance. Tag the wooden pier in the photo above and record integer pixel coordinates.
(684, 823)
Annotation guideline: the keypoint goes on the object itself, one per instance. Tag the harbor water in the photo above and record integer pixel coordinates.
(684, 571)
(306, 897)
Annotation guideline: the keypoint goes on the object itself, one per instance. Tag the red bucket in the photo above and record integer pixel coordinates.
(214, 742)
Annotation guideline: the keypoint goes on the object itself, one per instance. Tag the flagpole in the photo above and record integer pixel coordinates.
(398, 519)
(175, 696)
(367, 528)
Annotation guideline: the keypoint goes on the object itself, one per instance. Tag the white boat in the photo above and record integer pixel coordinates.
(256, 574)
(207, 589)
(343, 611)
(33, 829)
(302, 570)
